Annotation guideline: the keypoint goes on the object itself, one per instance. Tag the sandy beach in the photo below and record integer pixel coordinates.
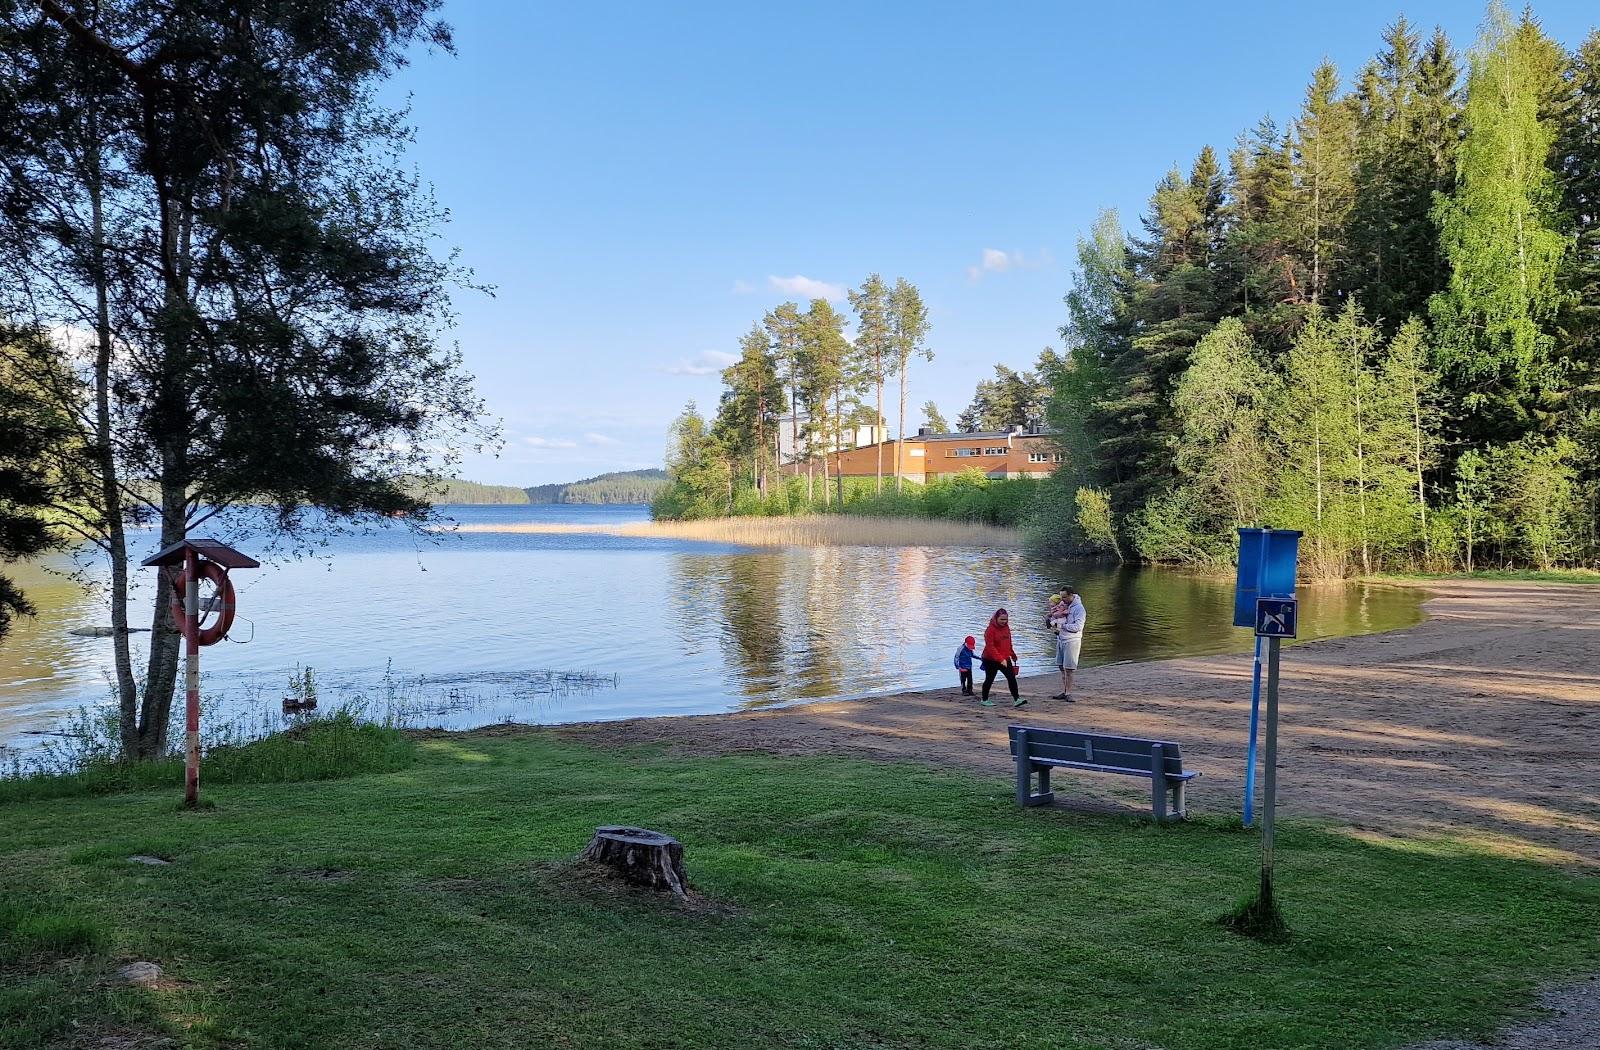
(1482, 724)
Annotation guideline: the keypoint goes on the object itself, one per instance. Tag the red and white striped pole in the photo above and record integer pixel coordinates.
(191, 679)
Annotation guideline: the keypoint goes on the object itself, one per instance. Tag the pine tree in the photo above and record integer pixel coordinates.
(933, 419)
(782, 326)
(908, 328)
(829, 370)
(750, 404)
(871, 305)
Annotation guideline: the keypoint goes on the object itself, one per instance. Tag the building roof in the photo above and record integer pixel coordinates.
(980, 435)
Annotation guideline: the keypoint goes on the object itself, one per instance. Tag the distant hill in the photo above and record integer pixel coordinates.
(454, 490)
(626, 486)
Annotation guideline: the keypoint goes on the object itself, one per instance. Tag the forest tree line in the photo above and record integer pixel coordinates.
(619, 486)
(1379, 325)
(798, 381)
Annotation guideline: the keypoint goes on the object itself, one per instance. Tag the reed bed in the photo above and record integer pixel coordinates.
(813, 530)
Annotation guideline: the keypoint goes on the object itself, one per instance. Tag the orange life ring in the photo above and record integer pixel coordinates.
(219, 579)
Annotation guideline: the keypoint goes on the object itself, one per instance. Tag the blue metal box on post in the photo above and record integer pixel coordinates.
(1269, 560)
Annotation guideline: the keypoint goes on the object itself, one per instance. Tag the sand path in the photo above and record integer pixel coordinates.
(1482, 723)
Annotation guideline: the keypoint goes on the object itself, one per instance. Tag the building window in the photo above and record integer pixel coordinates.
(964, 452)
(1060, 457)
(1038, 457)
(994, 451)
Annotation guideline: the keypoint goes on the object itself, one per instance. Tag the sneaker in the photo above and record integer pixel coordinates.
(1019, 701)
(986, 703)
(1062, 696)
(1069, 699)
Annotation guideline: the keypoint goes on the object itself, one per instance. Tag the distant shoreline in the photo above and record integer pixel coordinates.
(814, 530)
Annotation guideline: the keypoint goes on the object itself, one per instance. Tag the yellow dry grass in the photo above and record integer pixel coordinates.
(816, 530)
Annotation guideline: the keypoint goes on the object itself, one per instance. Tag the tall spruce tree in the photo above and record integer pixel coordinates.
(1578, 175)
(1407, 127)
(1172, 303)
(1324, 179)
(1261, 274)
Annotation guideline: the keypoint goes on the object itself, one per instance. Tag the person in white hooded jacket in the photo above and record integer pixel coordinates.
(1067, 620)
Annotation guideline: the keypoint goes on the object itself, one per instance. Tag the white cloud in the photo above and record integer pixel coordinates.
(743, 288)
(806, 287)
(602, 440)
(706, 362)
(544, 442)
(994, 260)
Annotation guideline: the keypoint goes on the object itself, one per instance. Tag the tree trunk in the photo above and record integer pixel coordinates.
(643, 858)
(838, 431)
(900, 433)
(127, 689)
(161, 673)
(876, 423)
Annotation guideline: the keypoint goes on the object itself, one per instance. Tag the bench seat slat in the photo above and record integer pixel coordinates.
(1096, 767)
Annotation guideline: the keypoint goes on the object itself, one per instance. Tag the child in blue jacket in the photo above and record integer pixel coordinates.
(964, 664)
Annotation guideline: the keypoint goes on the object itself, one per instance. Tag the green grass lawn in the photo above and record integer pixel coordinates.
(1492, 575)
(847, 904)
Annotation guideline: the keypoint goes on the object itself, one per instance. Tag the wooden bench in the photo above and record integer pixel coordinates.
(1039, 750)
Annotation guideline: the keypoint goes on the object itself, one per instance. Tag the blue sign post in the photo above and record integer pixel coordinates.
(1268, 563)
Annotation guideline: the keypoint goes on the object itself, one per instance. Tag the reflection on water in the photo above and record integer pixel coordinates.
(684, 627)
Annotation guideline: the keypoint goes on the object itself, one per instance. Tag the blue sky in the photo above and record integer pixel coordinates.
(640, 182)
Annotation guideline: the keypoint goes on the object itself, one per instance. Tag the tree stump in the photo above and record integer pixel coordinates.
(644, 858)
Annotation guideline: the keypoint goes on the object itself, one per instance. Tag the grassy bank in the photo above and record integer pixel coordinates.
(845, 904)
(1526, 575)
(970, 497)
(326, 748)
(827, 530)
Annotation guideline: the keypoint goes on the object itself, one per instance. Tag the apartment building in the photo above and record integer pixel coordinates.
(1017, 452)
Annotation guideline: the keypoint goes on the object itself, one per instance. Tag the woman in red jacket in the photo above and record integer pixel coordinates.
(999, 657)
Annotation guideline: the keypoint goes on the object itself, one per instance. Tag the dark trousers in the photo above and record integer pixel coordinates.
(990, 669)
(966, 679)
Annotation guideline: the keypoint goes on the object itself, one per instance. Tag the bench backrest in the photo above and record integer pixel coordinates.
(1119, 752)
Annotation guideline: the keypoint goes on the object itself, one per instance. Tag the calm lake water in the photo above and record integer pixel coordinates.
(464, 629)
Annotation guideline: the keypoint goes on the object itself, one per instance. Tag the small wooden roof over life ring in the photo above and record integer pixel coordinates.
(210, 550)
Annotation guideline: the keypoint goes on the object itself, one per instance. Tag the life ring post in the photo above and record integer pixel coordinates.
(211, 559)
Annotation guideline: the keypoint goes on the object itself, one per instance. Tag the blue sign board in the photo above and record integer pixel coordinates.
(1268, 560)
(1275, 617)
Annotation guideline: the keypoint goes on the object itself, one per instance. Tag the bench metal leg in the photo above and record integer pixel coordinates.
(1158, 784)
(1182, 808)
(1025, 794)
